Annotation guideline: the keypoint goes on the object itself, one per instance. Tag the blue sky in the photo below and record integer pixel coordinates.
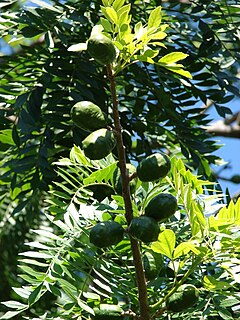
(230, 152)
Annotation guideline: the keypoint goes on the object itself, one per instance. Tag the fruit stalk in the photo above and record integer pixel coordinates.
(140, 276)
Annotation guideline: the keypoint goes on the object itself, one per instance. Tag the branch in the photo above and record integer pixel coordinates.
(140, 276)
(223, 129)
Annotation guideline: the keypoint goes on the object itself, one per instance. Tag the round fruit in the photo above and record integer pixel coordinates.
(161, 207)
(144, 228)
(107, 312)
(154, 167)
(88, 116)
(117, 179)
(106, 233)
(152, 263)
(98, 144)
(185, 297)
(101, 48)
(100, 191)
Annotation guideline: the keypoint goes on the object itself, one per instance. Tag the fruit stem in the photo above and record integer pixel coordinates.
(140, 277)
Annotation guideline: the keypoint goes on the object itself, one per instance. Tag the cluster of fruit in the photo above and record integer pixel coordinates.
(144, 228)
(99, 143)
(89, 117)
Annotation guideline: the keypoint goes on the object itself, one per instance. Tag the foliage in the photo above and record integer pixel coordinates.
(41, 81)
(195, 248)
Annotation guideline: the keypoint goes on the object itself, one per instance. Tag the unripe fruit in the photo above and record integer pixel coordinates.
(98, 144)
(107, 312)
(154, 167)
(185, 297)
(117, 179)
(144, 228)
(161, 207)
(101, 48)
(88, 116)
(100, 191)
(152, 262)
(106, 233)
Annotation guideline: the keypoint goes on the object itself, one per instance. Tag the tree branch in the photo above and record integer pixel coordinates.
(222, 128)
(140, 276)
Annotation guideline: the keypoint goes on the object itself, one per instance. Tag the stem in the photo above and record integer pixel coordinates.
(140, 276)
(186, 275)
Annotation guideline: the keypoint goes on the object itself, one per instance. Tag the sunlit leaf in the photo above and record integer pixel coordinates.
(212, 284)
(173, 57)
(165, 243)
(184, 248)
(78, 47)
(112, 14)
(155, 18)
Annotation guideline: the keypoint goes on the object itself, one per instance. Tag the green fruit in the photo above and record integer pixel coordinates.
(106, 233)
(107, 312)
(100, 191)
(161, 207)
(154, 167)
(101, 48)
(88, 116)
(144, 228)
(185, 297)
(117, 179)
(152, 263)
(98, 144)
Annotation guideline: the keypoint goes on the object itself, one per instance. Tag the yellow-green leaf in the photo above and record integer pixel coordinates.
(112, 14)
(165, 243)
(117, 4)
(212, 284)
(155, 18)
(180, 71)
(172, 57)
(183, 248)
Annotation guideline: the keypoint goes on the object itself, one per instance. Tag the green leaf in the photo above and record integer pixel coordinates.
(77, 155)
(106, 25)
(6, 137)
(155, 18)
(184, 248)
(37, 274)
(11, 314)
(157, 36)
(22, 292)
(85, 307)
(117, 4)
(35, 254)
(139, 30)
(14, 304)
(78, 47)
(106, 3)
(101, 175)
(112, 14)
(225, 314)
(180, 71)
(172, 58)
(165, 243)
(33, 262)
(30, 32)
(123, 15)
(49, 40)
(212, 284)
(54, 290)
(36, 294)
